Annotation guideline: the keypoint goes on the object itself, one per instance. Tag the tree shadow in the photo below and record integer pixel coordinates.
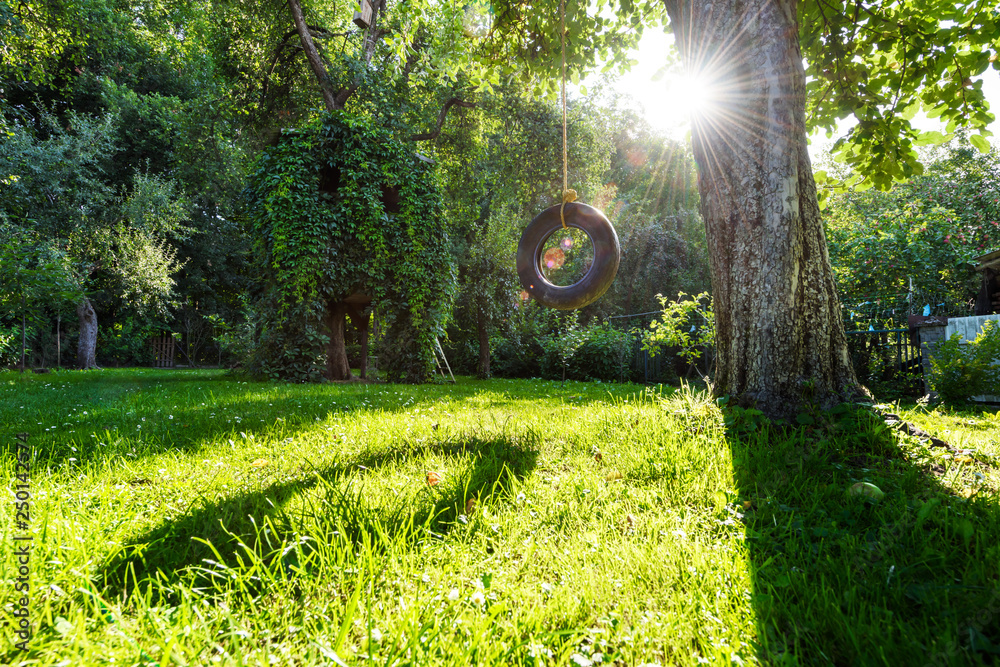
(912, 578)
(220, 527)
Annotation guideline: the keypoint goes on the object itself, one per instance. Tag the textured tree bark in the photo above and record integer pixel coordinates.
(337, 367)
(482, 327)
(86, 349)
(781, 339)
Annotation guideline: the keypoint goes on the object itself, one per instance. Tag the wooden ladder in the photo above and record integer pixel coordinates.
(440, 351)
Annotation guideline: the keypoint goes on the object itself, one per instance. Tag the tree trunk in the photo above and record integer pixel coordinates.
(780, 339)
(337, 367)
(482, 327)
(361, 321)
(87, 347)
(24, 329)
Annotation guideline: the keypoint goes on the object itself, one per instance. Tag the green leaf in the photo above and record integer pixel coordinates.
(932, 138)
(965, 529)
(980, 143)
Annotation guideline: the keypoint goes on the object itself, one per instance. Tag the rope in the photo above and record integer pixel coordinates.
(567, 194)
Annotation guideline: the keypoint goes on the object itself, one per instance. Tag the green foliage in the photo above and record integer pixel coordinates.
(885, 62)
(54, 176)
(115, 235)
(235, 340)
(10, 345)
(34, 275)
(320, 244)
(518, 42)
(125, 341)
(652, 200)
(922, 236)
(686, 324)
(545, 343)
(599, 352)
(963, 369)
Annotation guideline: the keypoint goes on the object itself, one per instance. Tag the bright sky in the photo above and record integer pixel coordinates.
(668, 101)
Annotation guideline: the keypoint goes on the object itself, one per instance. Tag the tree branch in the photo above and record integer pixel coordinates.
(441, 117)
(315, 62)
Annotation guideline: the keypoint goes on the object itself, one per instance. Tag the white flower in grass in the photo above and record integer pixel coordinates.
(376, 635)
(478, 598)
(581, 660)
(537, 651)
(453, 594)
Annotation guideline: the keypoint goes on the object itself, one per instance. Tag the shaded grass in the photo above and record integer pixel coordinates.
(840, 579)
(585, 524)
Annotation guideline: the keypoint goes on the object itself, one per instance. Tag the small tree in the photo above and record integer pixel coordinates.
(33, 276)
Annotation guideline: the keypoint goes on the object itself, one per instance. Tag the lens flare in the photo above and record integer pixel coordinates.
(554, 258)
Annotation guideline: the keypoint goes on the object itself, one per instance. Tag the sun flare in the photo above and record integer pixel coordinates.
(670, 99)
(689, 94)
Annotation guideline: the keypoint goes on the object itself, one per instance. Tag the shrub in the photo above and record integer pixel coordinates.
(598, 352)
(961, 370)
(126, 342)
(550, 347)
(686, 326)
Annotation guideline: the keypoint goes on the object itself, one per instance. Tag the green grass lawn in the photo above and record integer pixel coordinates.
(190, 518)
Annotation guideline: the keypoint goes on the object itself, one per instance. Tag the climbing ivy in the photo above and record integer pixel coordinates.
(328, 223)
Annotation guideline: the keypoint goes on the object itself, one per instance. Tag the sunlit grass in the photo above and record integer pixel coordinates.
(183, 517)
(243, 523)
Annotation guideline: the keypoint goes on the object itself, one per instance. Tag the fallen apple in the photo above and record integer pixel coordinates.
(866, 489)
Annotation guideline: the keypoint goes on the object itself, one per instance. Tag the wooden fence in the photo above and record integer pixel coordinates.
(886, 356)
(163, 351)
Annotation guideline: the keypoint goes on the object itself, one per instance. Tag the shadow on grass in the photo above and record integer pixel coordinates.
(337, 502)
(911, 579)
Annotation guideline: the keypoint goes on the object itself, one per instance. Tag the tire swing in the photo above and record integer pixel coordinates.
(593, 223)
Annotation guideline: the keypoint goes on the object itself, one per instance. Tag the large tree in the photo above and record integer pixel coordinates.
(780, 335)
(780, 332)
(122, 148)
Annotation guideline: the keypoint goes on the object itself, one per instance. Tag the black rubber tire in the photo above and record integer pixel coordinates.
(607, 255)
